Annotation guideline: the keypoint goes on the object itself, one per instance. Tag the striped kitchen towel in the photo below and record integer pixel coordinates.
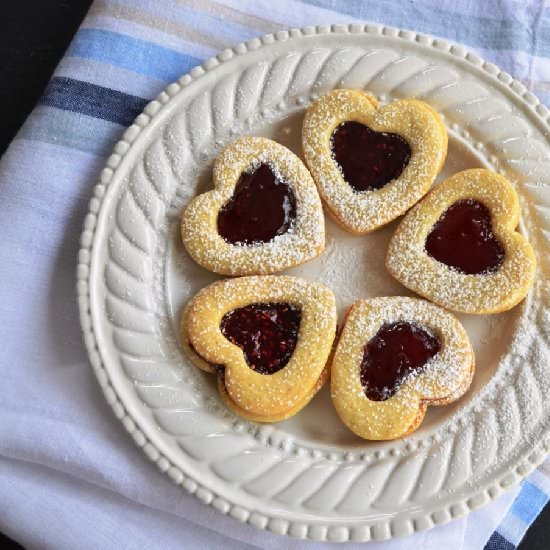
(69, 475)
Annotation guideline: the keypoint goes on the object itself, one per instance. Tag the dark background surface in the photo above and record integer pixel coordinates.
(33, 37)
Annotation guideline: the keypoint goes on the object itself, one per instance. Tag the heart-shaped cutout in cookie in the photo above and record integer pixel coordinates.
(395, 352)
(264, 214)
(368, 160)
(463, 239)
(371, 163)
(458, 247)
(267, 334)
(395, 356)
(269, 339)
(262, 207)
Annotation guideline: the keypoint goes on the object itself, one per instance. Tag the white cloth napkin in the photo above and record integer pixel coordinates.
(70, 476)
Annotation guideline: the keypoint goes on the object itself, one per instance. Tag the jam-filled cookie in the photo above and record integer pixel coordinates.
(459, 248)
(268, 338)
(372, 163)
(395, 357)
(263, 215)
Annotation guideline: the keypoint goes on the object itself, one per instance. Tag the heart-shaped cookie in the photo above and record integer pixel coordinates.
(396, 356)
(267, 337)
(264, 214)
(371, 163)
(458, 247)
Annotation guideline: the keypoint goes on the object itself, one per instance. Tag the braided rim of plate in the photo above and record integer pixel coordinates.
(382, 529)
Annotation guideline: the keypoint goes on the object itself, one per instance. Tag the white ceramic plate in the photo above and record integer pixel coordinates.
(309, 476)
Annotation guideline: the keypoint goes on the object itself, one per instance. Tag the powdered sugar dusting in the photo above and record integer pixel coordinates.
(421, 126)
(352, 267)
(409, 263)
(446, 376)
(304, 239)
(259, 394)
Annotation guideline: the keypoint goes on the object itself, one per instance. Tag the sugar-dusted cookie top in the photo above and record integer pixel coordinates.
(395, 356)
(267, 337)
(371, 163)
(459, 248)
(264, 214)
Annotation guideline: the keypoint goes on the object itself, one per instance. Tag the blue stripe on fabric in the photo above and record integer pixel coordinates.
(512, 528)
(529, 502)
(130, 53)
(72, 130)
(102, 74)
(156, 35)
(496, 34)
(498, 542)
(93, 100)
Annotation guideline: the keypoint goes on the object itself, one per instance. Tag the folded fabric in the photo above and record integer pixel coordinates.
(70, 477)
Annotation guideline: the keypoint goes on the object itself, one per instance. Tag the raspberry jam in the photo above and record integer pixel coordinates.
(261, 208)
(368, 159)
(267, 334)
(463, 239)
(394, 352)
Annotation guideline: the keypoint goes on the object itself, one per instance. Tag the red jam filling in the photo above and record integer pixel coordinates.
(368, 159)
(261, 208)
(395, 351)
(267, 334)
(463, 239)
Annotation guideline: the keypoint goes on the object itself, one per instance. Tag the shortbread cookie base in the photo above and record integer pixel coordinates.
(408, 261)
(415, 121)
(304, 240)
(446, 376)
(259, 394)
(203, 365)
